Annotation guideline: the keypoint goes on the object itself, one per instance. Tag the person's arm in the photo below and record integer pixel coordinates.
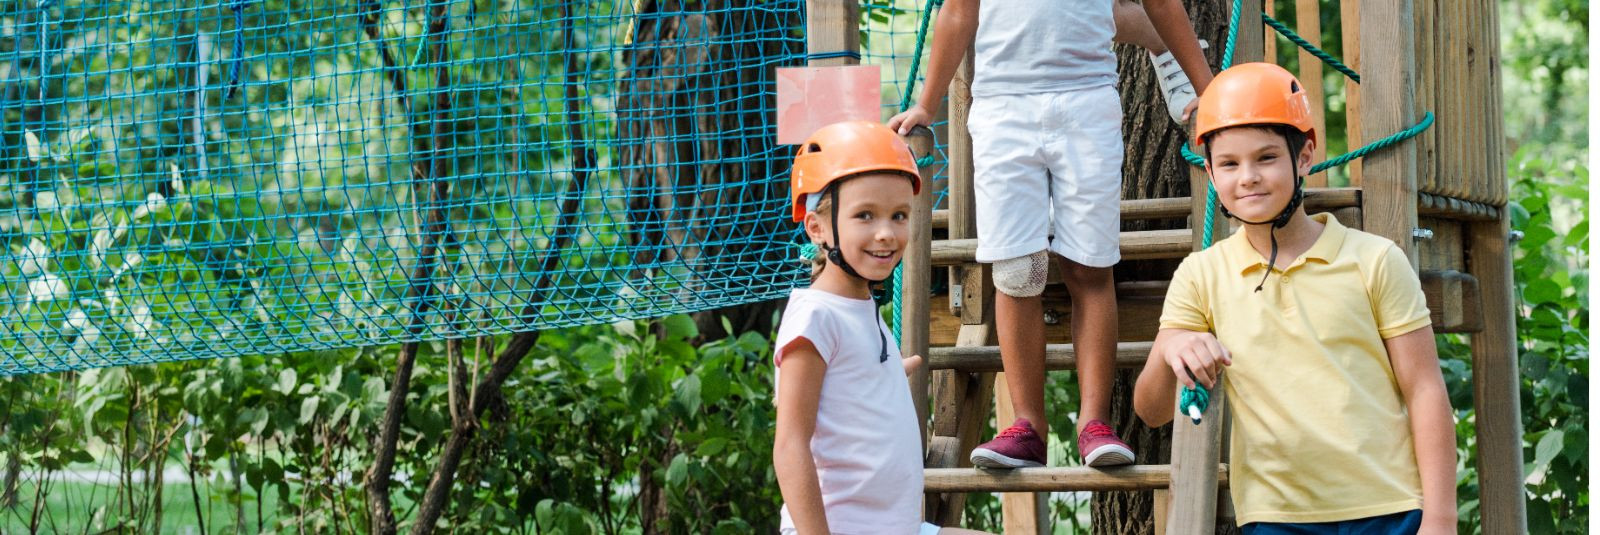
(1177, 32)
(1155, 392)
(953, 32)
(1415, 359)
(799, 390)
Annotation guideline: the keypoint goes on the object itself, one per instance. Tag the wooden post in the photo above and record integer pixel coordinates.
(1308, 23)
(1196, 451)
(962, 399)
(1350, 34)
(916, 280)
(1496, 384)
(1389, 202)
(832, 26)
(1429, 177)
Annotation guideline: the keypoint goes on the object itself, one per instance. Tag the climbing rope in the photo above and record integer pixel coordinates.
(1312, 49)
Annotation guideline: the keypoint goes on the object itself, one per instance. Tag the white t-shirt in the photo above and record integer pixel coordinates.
(1043, 46)
(866, 446)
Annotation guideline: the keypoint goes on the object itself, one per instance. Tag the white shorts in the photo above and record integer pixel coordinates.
(926, 529)
(1049, 175)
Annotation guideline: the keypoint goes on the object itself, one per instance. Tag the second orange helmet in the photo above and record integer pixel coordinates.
(1253, 94)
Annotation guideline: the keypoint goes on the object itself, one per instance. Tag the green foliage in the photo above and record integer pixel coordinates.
(601, 429)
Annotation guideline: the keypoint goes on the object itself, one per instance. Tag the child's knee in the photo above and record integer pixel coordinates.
(1023, 276)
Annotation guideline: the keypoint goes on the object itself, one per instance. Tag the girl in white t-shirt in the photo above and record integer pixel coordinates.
(848, 451)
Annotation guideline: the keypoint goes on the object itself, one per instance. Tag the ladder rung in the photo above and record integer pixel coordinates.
(1054, 479)
(1056, 357)
(1175, 207)
(1137, 245)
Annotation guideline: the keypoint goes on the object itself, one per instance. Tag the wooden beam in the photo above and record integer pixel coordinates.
(1496, 383)
(1308, 23)
(916, 279)
(1390, 181)
(1055, 479)
(1136, 245)
(1018, 510)
(1056, 357)
(1137, 319)
(1453, 301)
(1317, 199)
(1196, 448)
(968, 282)
(1350, 35)
(832, 26)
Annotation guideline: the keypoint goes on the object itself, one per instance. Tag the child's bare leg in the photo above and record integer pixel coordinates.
(1019, 323)
(1134, 28)
(1094, 335)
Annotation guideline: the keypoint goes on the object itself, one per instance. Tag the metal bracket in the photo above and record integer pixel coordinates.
(1422, 234)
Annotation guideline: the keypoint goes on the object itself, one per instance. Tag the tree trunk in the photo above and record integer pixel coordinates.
(1152, 168)
(687, 117)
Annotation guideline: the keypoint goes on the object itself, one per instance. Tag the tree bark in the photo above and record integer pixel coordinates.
(1153, 167)
(689, 122)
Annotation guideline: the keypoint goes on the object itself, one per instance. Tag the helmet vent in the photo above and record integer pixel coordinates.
(814, 148)
(1294, 86)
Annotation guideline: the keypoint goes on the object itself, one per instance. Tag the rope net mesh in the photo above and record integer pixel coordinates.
(210, 179)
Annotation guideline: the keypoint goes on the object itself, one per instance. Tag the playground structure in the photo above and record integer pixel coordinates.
(616, 188)
(1439, 193)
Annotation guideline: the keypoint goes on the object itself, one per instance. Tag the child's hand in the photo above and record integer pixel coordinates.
(1188, 111)
(911, 364)
(1200, 354)
(906, 120)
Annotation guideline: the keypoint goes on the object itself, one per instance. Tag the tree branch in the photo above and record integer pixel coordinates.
(380, 508)
(488, 389)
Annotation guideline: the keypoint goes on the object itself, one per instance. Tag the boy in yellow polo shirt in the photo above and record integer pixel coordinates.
(1341, 423)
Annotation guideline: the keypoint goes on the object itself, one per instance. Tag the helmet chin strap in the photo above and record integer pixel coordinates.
(836, 257)
(1281, 220)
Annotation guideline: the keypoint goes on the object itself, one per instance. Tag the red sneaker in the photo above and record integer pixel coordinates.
(1099, 446)
(1017, 446)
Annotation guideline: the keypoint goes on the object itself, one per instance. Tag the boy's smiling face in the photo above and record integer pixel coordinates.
(1251, 170)
(874, 215)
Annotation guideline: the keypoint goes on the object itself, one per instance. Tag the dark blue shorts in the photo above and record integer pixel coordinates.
(1406, 523)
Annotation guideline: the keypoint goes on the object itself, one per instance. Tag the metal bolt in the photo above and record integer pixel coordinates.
(1516, 236)
(1052, 317)
(1422, 233)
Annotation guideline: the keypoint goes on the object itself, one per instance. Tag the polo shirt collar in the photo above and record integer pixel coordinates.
(1326, 247)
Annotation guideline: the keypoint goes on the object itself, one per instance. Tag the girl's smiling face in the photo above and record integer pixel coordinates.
(874, 216)
(1252, 171)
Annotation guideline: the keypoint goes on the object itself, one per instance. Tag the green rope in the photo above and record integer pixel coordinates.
(1324, 56)
(1194, 401)
(916, 55)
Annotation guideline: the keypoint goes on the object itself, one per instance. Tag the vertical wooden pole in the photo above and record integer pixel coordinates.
(1350, 35)
(1426, 97)
(916, 280)
(1308, 23)
(1269, 45)
(832, 26)
(1196, 453)
(1389, 202)
(1018, 510)
(1496, 383)
(962, 400)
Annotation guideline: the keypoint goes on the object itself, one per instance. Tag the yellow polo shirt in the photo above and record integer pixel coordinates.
(1320, 432)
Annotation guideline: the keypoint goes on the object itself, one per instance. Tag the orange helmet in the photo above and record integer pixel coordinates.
(1253, 94)
(842, 150)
